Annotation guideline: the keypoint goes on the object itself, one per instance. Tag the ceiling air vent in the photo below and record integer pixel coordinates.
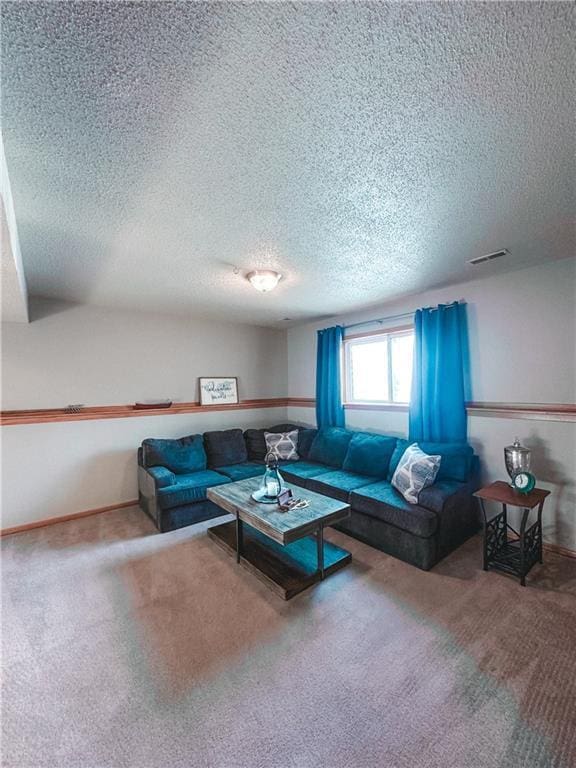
(489, 257)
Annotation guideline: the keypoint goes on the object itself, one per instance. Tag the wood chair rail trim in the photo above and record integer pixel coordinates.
(544, 411)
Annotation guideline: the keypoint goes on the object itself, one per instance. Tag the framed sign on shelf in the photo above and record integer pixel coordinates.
(221, 390)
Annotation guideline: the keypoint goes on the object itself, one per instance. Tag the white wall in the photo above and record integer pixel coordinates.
(73, 353)
(82, 354)
(523, 350)
(522, 328)
(55, 469)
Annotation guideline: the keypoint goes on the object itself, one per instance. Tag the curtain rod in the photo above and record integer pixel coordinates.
(390, 318)
(381, 320)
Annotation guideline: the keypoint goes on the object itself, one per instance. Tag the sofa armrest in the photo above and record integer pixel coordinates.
(162, 476)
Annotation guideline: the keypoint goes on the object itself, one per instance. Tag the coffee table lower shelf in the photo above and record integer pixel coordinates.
(288, 569)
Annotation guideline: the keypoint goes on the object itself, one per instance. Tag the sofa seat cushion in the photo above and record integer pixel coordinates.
(189, 489)
(369, 455)
(225, 447)
(330, 446)
(383, 502)
(339, 484)
(300, 471)
(180, 456)
(242, 471)
(434, 497)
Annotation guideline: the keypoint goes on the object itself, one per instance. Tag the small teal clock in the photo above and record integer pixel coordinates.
(523, 481)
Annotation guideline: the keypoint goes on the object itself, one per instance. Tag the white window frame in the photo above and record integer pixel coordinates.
(366, 338)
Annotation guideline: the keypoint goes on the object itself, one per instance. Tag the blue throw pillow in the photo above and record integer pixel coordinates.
(369, 454)
(179, 456)
(456, 461)
(330, 446)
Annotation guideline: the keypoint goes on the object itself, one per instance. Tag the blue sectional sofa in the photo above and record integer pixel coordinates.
(355, 467)
(174, 475)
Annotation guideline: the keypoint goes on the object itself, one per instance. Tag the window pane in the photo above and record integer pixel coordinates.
(368, 373)
(401, 359)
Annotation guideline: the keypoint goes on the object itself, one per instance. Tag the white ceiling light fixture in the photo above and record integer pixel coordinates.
(264, 280)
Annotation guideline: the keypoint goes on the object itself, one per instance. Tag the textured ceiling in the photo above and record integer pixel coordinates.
(364, 150)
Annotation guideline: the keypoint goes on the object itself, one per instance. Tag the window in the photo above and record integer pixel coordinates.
(378, 367)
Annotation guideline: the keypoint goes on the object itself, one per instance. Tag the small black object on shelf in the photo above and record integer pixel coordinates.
(76, 408)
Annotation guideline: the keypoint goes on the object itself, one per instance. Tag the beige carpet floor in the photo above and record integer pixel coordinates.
(124, 647)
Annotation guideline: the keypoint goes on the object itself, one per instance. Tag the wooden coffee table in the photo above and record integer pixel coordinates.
(285, 550)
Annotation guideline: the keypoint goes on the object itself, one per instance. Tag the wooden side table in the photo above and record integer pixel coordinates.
(515, 556)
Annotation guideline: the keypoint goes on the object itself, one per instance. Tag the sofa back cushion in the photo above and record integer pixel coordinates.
(330, 445)
(225, 447)
(369, 454)
(399, 450)
(179, 456)
(456, 461)
(305, 440)
(256, 442)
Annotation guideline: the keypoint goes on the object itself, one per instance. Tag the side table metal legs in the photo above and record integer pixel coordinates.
(540, 508)
(525, 513)
(516, 555)
(495, 531)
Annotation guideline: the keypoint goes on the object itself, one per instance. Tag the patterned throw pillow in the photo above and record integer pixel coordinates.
(416, 470)
(283, 445)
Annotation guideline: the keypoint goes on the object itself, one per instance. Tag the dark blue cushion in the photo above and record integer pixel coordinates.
(305, 439)
(255, 444)
(225, 447)
(338, 484)
(179, 456)
(189, 488)
(294, 471)
(434, 497)
(242, 471)
(456, 459)
(369, 454)
(383, 502)
(330, 446)
(162, 476)
(401, 446)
